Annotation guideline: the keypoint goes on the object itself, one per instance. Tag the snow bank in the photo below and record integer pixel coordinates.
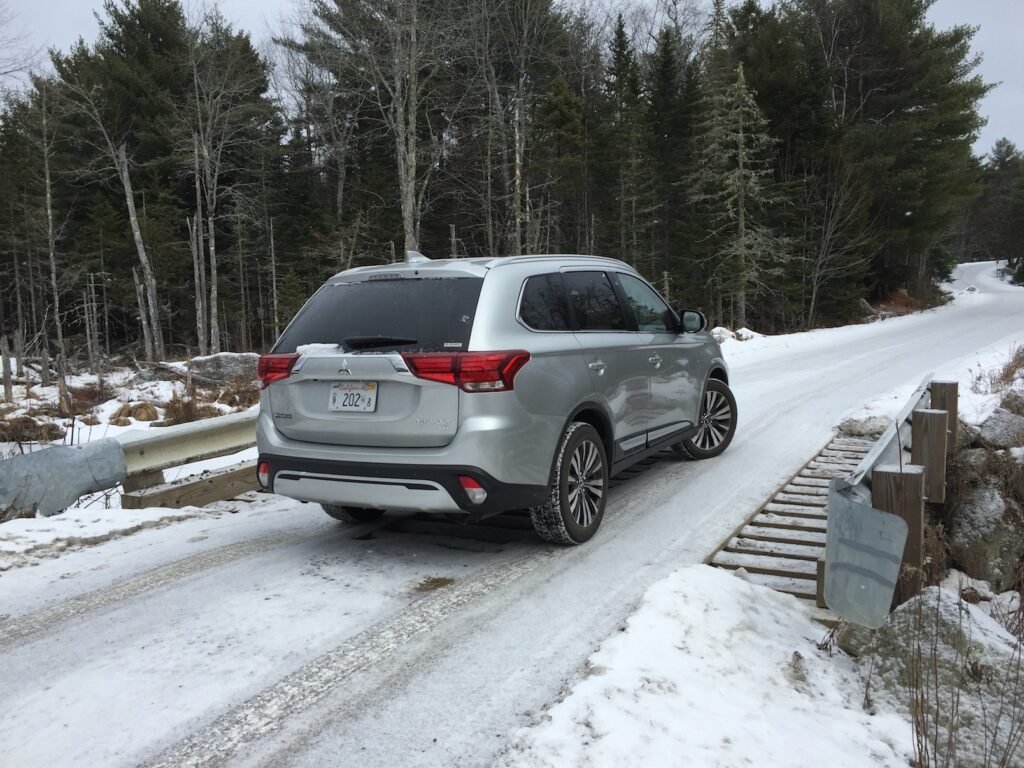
(23, 541)
(714, 671)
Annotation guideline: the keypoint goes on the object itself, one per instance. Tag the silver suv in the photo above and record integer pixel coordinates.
(477, 386)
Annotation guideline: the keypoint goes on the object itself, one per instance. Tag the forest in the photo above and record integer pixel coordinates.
(170, 188)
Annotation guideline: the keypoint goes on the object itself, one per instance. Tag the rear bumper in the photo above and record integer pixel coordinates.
(395, 487)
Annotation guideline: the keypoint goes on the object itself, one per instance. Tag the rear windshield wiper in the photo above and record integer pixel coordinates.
(370, 342)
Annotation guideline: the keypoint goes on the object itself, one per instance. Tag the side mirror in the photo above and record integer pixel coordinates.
(693, 321)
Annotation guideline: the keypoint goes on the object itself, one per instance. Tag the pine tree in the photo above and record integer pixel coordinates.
(734, 187)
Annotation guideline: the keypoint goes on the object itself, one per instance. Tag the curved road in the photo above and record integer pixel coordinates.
(272, 638)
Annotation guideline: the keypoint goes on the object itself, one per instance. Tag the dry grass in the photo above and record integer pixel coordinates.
(936, 553)
(87, 396)
(1005, 377)
(241, 393)
(1000, 379)
(25, 429)
(184, 410)
(137, 411)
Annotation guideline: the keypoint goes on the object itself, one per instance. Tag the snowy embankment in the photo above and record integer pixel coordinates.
(714, 671)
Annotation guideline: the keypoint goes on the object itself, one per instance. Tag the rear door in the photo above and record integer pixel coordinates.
(619, 372)
(351, 386)
(675, 388)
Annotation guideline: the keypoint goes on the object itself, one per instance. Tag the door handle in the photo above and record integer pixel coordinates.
(654, 360)
(599, 367)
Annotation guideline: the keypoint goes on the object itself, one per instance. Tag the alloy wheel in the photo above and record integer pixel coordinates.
(585, 483)
(715, 421)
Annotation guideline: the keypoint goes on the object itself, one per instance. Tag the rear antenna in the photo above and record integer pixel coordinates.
(415, 257)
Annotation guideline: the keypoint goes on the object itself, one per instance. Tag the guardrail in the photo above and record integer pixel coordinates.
(49, 481)
(874, 549)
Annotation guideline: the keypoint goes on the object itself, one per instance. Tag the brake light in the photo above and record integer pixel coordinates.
(263, 474)
(469, 371)
(273, 368)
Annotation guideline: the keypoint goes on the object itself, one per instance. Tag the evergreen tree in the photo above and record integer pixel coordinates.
(734, 187)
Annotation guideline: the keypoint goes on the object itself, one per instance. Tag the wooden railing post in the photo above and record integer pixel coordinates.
(945, 397)
(900, 490)
(928, 449)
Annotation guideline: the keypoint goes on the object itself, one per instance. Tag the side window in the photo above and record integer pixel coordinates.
(594, 302)
(544, 307)
(651, 312)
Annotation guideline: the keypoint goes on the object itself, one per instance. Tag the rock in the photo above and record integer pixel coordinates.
(966, 435)
(227, 366)
(987, 539)
(961, 663)
(867, 309)
(1013, 402)
(855, 639)
(973, 461)
(1002, 429)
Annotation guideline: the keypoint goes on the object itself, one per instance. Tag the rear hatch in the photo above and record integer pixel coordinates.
(350, 384)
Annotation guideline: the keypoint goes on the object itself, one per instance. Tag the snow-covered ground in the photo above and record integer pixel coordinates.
(713, 671)
(270, 637)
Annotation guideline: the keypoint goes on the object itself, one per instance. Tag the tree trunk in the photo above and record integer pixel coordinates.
(196, 244)
(214, 312)
(147, 338)
(151, 328)
(273, 281)
(51, 237)
(5, 351)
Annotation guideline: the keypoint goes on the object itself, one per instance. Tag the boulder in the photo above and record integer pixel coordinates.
(960, 665)
(227, 366)
(1013, 401)
(987, 539)
(1001, 430)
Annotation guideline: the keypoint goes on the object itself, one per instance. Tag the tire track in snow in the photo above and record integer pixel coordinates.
(48, 618)
(263, 714)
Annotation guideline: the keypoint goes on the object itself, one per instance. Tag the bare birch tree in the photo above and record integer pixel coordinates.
(397, 51)
(85, 101)
(228, 81)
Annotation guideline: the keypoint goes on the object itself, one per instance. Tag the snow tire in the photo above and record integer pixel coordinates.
(579, 489)
(717, 423)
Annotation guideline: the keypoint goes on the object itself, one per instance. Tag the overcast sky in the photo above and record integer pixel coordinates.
(60, 22)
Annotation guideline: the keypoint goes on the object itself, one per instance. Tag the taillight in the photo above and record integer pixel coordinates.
(473, 489)
(469, 371)
(263, 474)
(273, 368)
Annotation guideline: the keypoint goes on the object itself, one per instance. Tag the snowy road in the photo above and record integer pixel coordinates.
(270, 637)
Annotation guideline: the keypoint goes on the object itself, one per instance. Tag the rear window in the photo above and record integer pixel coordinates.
(420, 314)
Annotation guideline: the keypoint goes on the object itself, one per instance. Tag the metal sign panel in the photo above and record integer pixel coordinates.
(863, 554)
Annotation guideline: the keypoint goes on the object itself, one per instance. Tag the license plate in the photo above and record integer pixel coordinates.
(353, 396)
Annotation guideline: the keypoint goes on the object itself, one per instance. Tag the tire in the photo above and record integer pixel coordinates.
(352, 514)
(575, 507)
(717, 423)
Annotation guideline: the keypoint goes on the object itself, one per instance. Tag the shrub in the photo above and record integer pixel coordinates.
(25, 429)
(184, 410)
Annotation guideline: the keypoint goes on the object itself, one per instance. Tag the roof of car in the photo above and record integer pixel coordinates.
(477, 266)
